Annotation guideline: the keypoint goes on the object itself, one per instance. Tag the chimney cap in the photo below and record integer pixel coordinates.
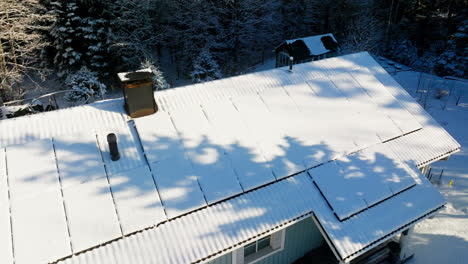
(135, 76)
(111, 137)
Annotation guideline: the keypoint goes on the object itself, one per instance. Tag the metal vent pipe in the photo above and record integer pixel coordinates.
(114, 150)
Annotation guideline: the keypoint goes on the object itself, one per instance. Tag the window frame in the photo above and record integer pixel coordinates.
(276, 245)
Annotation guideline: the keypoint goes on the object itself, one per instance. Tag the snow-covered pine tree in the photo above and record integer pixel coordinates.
(293, 14)
(67, 36)
(313, 16)
(403, 51)
(96, 33)
(81, 35)
(84, 83)
(454, 60)
(252, 28)
(133, 35)
(160, 82)
(192, 26)
(205, 68)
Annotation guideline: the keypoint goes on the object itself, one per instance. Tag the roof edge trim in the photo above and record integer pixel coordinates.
(376, 242)
(445, 155)
(247, 241)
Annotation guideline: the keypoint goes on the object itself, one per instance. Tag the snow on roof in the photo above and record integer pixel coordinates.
(239, 137)
(243, 219)
(130, 76)
(314, 43)
(358, 181)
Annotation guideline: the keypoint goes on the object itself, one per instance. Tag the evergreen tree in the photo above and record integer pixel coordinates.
(67, 35)
(252, 29)
(81, 36)
(193, 26)
(205, 68)
(96, 33)
(403, 51)
(454, 60)
(158, 77)
(134, 34)
(84, 84)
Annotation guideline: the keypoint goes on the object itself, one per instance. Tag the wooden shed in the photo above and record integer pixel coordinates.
(307, 49)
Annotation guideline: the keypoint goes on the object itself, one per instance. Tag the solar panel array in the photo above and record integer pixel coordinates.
(358, 181)
(77, 197)
(187, 156)
(219, 149)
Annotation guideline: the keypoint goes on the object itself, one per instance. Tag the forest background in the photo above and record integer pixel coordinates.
(80, 43)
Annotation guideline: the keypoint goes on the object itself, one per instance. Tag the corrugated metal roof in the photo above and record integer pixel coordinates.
(428, 144)
(214, 229)
(358, 181)
(36, 203)
(182, 158)
(425, 146)
(359, 65)
(105, 114)
(225, 226)
(363, 230)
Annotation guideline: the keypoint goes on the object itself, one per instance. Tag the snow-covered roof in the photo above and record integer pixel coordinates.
(212, 169)
(243, 219)
(314, 43)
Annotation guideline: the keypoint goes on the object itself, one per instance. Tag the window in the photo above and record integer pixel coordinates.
(259, 249)
(257, 246)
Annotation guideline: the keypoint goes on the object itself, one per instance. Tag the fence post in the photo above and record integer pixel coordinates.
(440, 177)
(100, 90)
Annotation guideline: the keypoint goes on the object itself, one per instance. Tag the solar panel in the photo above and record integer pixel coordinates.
(366, 90)
(158, 137)
(340, 192)
(136, 199)
(174, 176)
(241, 148)
(296, 126)
(91, 214)
(3, 179)
(363, 178)
(35, 194)
(272, 139)
(397, 175)
(377, 91)
(89, 204)
(325, 117)
(178, 186)
(360, 180)
(41, 173)
(368, 112)
(338, 111)
(78, 158)
(206, 154)
(6, 250)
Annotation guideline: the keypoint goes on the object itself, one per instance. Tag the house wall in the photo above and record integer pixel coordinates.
(300, 238)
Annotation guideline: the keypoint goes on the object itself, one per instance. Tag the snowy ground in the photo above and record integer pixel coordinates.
(444, 238)
(269, 64)
(38, 89)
